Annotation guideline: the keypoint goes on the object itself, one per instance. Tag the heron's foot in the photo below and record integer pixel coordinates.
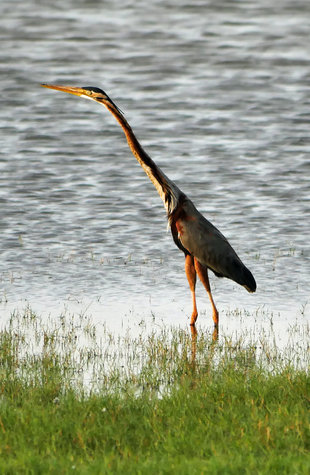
(215, 317)
(194, 318)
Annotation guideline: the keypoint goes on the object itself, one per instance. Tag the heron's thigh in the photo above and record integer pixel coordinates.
(190, 271)
(202, 272)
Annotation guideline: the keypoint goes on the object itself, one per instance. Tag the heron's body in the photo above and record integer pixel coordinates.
(203, 244)
(207, 244)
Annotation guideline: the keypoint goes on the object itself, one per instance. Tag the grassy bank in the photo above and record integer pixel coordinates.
(166, 402)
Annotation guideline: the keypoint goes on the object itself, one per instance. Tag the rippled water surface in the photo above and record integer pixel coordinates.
(219, 95)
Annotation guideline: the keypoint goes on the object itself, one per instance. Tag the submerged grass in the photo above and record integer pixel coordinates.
(161, 402)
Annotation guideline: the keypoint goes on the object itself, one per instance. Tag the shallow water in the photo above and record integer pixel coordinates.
(218, 96)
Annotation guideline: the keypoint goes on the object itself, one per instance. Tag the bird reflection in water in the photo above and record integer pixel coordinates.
(194, 334)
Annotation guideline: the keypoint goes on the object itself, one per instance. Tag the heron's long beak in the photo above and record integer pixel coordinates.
(94, 94)
(77, 91)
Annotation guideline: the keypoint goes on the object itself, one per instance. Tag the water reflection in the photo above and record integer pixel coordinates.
(153, 356)
(194, 344)
(194, 334)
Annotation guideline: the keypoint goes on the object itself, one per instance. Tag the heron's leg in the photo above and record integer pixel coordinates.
(202, 272)
(191, 277)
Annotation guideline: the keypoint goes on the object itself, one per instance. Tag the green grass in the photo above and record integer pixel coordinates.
(163, 402)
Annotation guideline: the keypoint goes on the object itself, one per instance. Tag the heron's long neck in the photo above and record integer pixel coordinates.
(166, 189)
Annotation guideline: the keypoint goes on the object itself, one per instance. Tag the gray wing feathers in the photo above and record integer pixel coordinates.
(211, 248)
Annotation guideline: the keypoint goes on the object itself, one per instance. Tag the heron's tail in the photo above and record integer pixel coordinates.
(248, 280)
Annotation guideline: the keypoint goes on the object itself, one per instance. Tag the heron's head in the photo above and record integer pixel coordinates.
(89, 92)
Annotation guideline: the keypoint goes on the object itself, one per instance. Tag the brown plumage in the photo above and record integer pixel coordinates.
(203, 244)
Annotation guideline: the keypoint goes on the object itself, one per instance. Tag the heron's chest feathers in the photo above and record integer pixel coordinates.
(196, 234)
(182, 218)
(182, 224)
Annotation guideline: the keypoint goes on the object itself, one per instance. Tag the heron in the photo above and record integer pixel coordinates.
(204, 246)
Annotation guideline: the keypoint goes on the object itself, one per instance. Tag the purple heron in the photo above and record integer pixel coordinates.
(203, 244)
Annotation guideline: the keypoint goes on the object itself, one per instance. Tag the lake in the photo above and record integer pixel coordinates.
(218, 95)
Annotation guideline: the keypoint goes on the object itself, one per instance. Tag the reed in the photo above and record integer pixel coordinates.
(164, 401)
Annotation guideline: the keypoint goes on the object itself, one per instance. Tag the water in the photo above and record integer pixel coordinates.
(218, 94)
